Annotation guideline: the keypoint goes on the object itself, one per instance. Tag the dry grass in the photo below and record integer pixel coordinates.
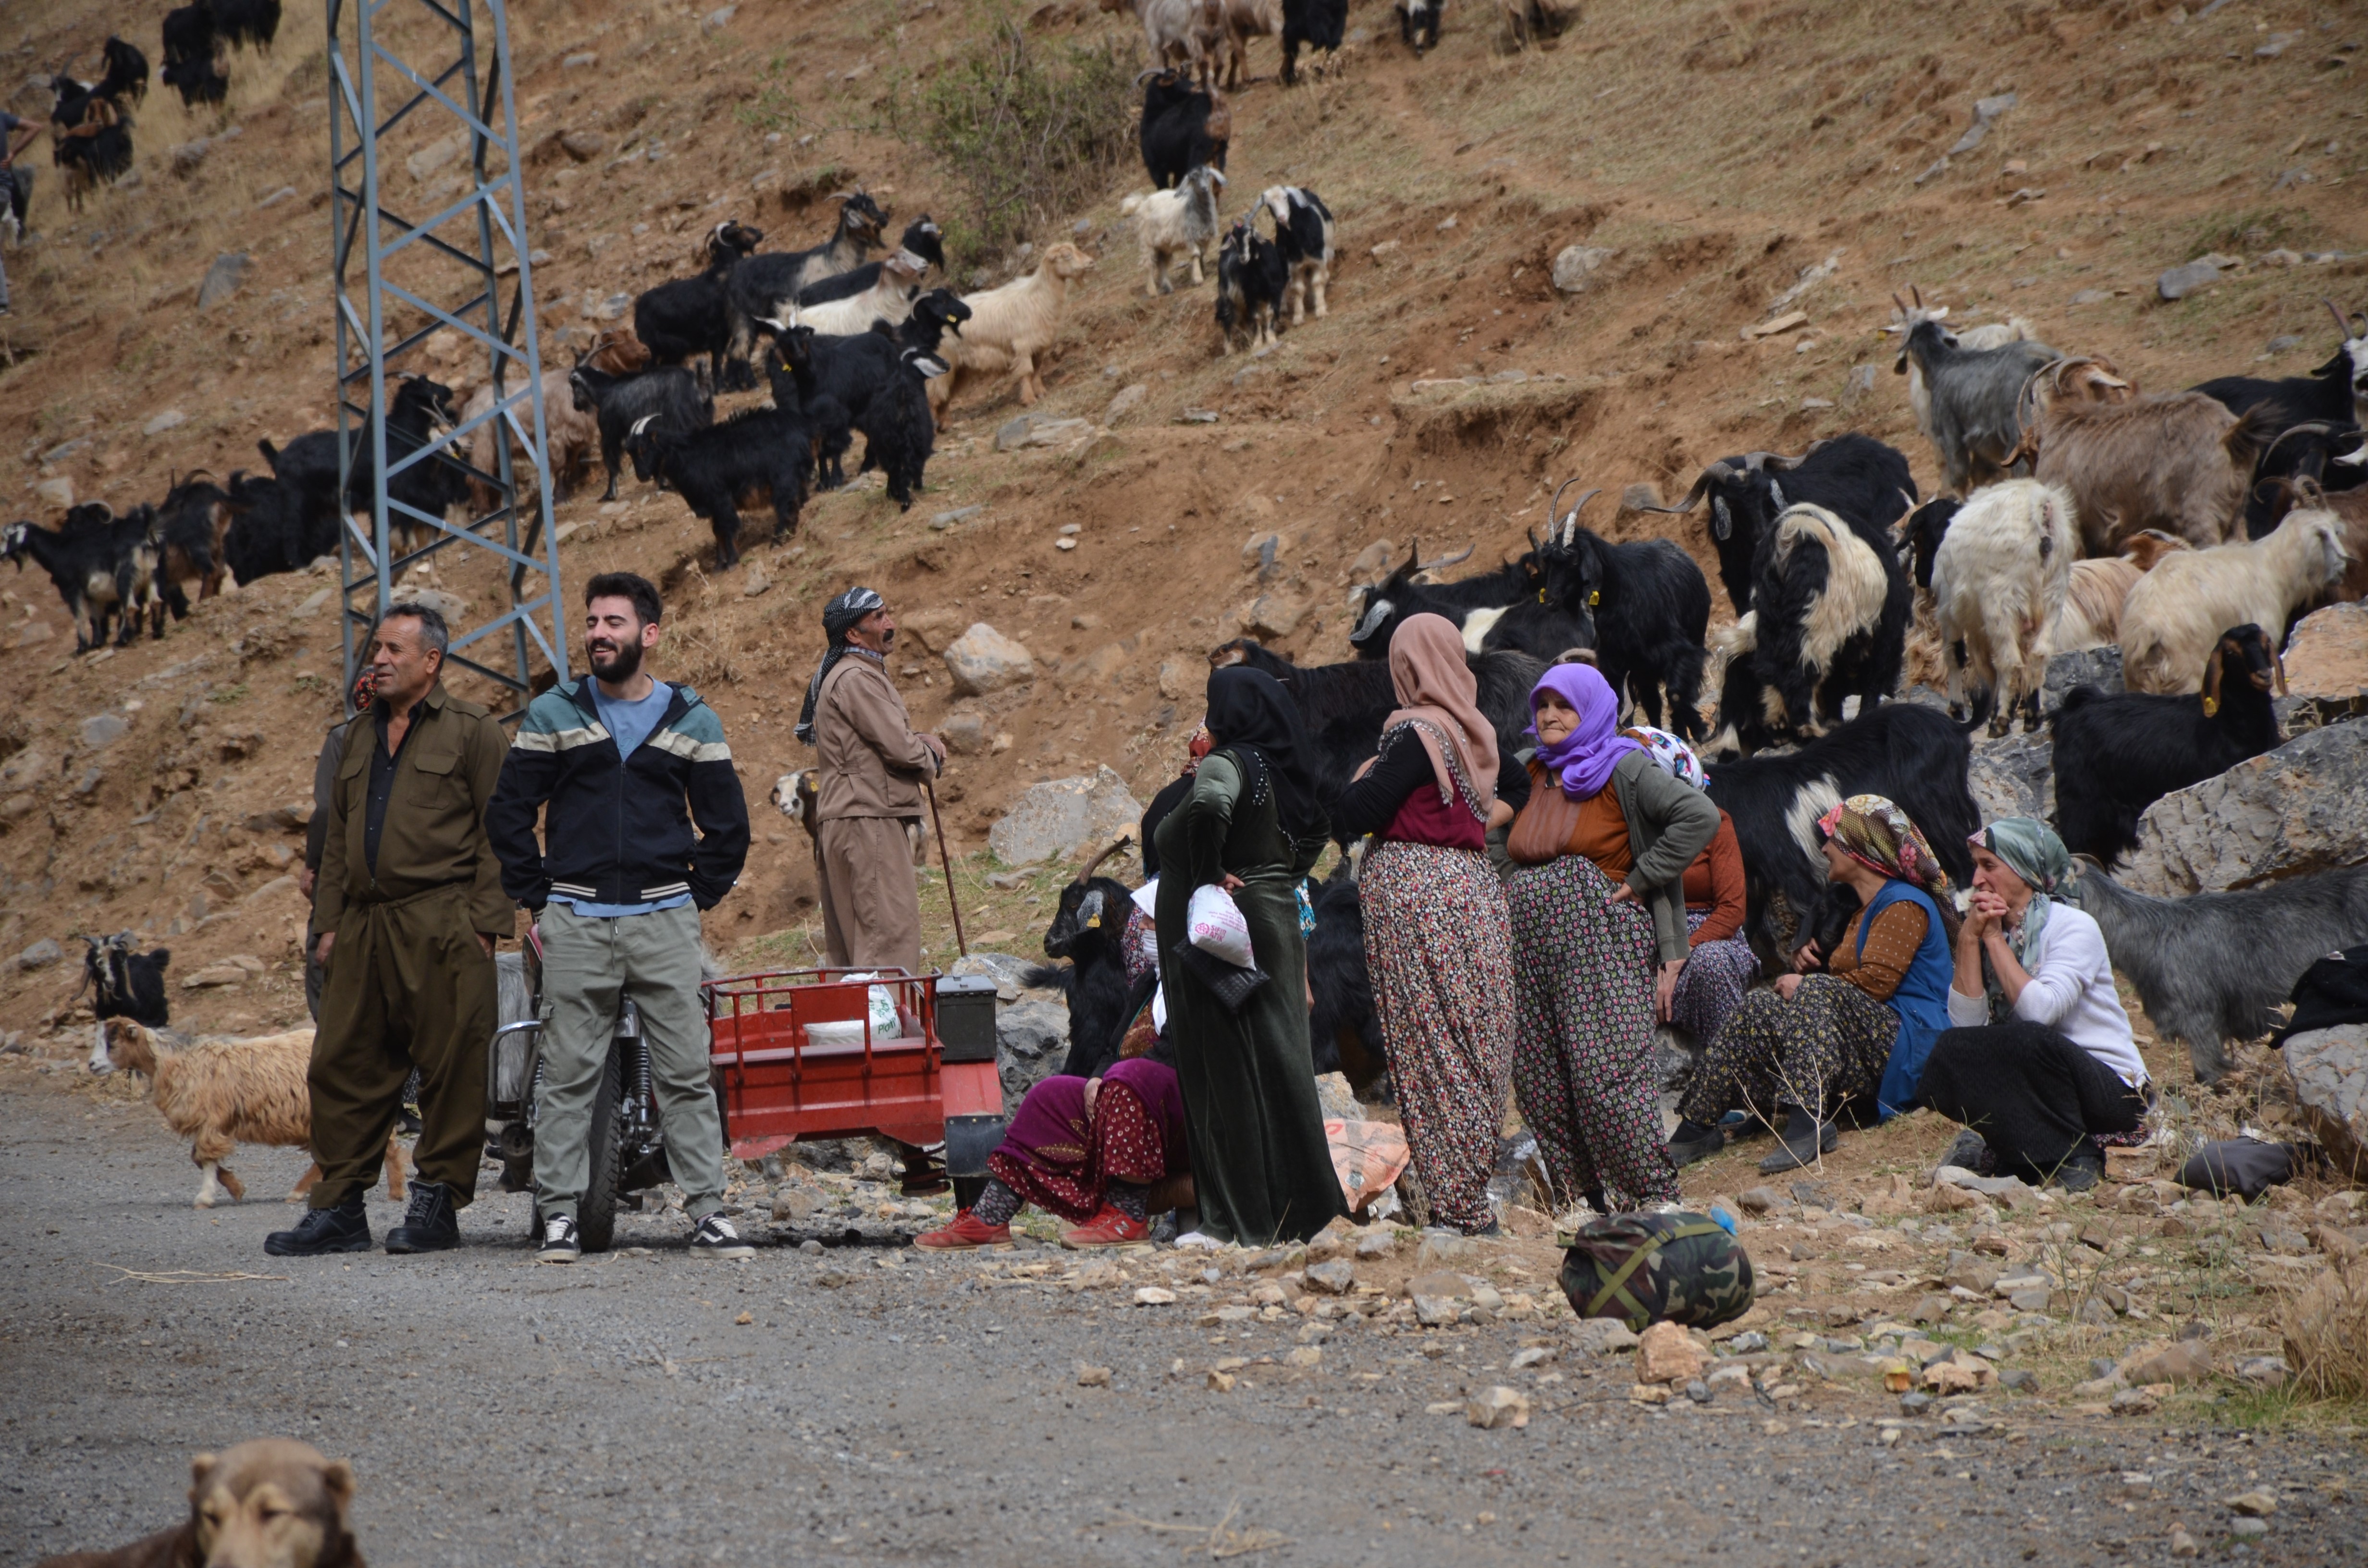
(2325, 1326)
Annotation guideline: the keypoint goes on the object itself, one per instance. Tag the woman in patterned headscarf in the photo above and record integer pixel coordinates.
(1815, 1042)
(2041, 1066)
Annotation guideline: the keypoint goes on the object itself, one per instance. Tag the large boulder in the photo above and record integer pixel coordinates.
(2327, 653)
(2329, 1068)
(983, 660)
(1061, 816)
(2301, 808)
(1031, 1040)
(2012, 777)
(2082, 667)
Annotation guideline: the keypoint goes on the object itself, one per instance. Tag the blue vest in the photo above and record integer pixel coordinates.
(1921, 1001)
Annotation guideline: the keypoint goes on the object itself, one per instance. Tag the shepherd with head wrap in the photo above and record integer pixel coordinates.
(1439, 939)
(1599, 916)
(1251, 825)
(2041, 1065)
(1812, 1044)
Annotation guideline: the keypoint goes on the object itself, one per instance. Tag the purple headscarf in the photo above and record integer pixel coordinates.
(1585, 758)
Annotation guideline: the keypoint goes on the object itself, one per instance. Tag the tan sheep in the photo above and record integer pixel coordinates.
(222, 1093)
(1008, 327)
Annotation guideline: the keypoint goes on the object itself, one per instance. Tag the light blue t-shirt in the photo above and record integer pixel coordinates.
(631, 723)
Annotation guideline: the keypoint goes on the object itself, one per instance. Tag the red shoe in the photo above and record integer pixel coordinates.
(1108, 1229)
(967, 1231)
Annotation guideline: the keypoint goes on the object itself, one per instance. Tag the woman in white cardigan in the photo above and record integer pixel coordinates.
(2040, 1067)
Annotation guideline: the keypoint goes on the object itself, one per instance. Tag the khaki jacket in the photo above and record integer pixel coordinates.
(435, 830)
(872, 763)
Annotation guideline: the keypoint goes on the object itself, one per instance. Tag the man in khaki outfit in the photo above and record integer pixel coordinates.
(405, 917)
(872, 765)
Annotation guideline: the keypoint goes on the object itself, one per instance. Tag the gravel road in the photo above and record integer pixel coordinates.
(877, 1406)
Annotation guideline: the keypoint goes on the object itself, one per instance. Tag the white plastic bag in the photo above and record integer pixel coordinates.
(1213, 923)
(880, 1001)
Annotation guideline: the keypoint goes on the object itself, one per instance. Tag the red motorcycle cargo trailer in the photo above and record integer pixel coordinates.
(804, 1054)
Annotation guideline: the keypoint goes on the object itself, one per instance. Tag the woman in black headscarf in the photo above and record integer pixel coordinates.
(1250, 825)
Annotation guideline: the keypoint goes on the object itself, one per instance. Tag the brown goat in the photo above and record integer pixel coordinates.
(618, 352)
(2091, 616)
(2179, 462)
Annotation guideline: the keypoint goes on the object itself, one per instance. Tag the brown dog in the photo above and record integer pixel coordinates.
(273, 1503)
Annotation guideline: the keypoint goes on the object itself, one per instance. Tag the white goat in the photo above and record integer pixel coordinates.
(1183, 221)
(2176, 612)
(1997, 581)
(890, 299)
(2091, 616)
(1008, 327)
(222, 1093)
(1303, 229)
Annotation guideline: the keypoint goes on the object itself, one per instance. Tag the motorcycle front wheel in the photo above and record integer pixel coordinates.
(595, 1216)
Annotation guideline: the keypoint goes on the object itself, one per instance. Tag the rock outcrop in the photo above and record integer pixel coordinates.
(1061, 816)
(983, 660)
(2329, 1068)
(2301, 808)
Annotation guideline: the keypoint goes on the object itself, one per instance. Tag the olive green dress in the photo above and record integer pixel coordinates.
(1260, 1163)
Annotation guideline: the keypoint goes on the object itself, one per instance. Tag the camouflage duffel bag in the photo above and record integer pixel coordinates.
(1644, 1268)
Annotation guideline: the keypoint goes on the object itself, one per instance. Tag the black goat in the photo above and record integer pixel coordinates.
(269, 529)
(1183, 127)
(1344, 1032)
(191, 524)
(2116, 753)
(685, 317)
(1921, 533)
(2330, 455)
(766, 284)
(1911, 755)
(843, 375)
(199, 80)
(674, 395)
(123, 985)
(922, 241)
(1855, 477)
(90, 139)
(899, 433)
(1419, 23)
(102, 566)
(1828, 621)
(1311, 24)
(1343, 705)
(127, 73)
(190, 34)
(1090, 930)
(758, 454)
(309, 466)
(1398, 596)
(1252, 278)
(243, 22)
(2327, 394)
(1647, 607)
(2214, 967)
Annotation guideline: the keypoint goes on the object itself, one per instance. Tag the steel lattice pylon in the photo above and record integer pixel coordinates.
(406, 266)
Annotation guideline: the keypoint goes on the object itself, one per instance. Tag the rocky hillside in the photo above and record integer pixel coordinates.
(1724, 167)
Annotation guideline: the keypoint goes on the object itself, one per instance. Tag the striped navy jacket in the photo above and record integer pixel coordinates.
(617, 830)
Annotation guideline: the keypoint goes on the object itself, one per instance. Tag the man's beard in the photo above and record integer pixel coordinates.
(624, 661)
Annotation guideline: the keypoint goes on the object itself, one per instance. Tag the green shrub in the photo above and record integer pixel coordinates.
(1025, 138)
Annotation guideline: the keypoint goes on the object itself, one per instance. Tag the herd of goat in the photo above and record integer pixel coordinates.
(2190, 529)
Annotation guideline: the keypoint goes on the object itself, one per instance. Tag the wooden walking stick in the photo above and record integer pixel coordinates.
(947, 861)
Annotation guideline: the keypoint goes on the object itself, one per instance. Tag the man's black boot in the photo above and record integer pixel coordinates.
(430, 1225)
(345, 1228)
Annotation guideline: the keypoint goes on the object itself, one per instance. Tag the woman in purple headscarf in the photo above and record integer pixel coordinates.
(1598, 936)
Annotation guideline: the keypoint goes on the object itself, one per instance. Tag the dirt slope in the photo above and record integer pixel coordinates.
(1717, 150)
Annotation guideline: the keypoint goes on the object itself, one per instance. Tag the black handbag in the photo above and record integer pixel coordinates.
(1229, 983)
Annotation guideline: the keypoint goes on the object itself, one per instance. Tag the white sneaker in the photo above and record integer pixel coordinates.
(559, 1242)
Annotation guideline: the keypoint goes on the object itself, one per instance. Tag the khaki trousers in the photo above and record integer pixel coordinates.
(588, 964)
(408, 984)
(870, 899)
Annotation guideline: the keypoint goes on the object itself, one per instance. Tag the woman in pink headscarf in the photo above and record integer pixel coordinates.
(1438, 940)
(1600, 936)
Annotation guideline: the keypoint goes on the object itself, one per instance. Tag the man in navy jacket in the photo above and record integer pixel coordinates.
(621, 765)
